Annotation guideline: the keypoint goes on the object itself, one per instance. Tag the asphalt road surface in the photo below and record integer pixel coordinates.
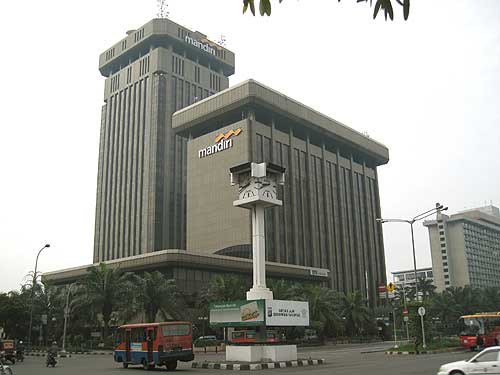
(341, 359)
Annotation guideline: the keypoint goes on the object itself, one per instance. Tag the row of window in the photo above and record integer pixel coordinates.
(143, 69)
(177, 65)
(214, 82)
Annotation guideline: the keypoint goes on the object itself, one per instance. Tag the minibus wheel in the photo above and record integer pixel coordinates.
(172, 365)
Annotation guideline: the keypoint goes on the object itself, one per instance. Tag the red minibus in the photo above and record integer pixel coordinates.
(486, 325)
(250, 336)
(154, 344)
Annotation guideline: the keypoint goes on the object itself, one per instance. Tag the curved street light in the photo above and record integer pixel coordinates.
(33, 284)
(439, 207)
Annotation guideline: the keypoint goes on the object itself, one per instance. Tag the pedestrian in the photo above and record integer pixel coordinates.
(479, 342)
(416, 343)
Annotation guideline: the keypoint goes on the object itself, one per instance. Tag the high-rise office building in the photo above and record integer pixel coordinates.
(465, 248)
(168, 140)
(141, 187)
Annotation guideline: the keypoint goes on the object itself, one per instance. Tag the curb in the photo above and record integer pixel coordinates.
(256, 366)
(68, 354)
(451, 350)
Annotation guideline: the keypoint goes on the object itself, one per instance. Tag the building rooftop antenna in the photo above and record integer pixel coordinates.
(162, 9)
(222, 41)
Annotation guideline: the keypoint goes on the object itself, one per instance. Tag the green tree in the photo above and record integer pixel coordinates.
(156, 293)
(385, 5)
(226, 288)
(14, 314)
(106, 289)
(324, 307)
(356, 313)
(282, 289)
(490, 299)
(426, 287)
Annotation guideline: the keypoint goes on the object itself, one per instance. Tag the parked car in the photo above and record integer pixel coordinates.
(486, 362)
(210, 340)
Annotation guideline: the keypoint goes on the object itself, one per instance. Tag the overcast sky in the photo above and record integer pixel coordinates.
(428, 89)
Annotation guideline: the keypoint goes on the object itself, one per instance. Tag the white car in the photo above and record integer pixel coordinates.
(485, 363)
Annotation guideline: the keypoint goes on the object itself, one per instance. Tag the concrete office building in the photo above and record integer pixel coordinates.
(407, 277)
(140, 220)
(164, 199)
(330, 197)
(465, 248)
(141, 187)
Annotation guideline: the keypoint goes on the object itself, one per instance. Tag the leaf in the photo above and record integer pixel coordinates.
(265, 7)
(377, 8)
(252, 6)
(388, 9)
(406, 9)
(245, 5)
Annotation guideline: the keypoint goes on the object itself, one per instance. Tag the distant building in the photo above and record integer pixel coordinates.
(407, 278)
(465, 248)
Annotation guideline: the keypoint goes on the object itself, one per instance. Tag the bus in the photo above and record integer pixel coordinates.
(486, 325)
(250, 336)
(154, 344)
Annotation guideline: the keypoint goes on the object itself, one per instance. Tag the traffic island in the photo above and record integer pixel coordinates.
(436, 351)
(246, 366)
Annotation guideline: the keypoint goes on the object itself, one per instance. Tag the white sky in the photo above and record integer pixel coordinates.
(428, 89)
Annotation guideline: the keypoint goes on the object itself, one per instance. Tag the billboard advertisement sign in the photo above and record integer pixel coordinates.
(259, 312)
(237, 313)
(287, 313)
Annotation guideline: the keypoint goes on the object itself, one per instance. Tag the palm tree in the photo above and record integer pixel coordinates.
(282, 289)
(324, 306)
(156, 293)
(490, 299)
(426, 287)
(106, 289)
(356, 313)
(224, 288)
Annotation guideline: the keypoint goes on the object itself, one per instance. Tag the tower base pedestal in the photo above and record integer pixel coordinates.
(261, 353)
(259, 293)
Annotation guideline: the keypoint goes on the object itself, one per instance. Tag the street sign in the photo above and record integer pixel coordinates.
(391, 287)
(95, 334)
(382, 291)
(405, 312)
(421, 311)
(405, 319)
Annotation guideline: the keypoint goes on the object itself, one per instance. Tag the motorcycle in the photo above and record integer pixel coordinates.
(51, 360)
(20, 355)
(4, 369)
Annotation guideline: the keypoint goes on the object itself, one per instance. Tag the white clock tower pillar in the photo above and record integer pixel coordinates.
(257, 185)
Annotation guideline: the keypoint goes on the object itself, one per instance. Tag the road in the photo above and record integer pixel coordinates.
(344, 360)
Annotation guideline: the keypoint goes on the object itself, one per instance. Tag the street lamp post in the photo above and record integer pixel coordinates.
(439, 207)
(66, 315)
(33, 284)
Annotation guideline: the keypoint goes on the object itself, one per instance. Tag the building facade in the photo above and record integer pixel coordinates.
(170, 131)
(407, 278)
(330, 196)
(465, 248)
(141, 186)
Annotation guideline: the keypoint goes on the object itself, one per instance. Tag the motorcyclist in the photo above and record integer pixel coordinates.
(20, 351)
(52, 354)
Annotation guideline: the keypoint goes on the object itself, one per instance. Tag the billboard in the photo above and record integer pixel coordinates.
(237, 313)
(259, 312)
(287, 313)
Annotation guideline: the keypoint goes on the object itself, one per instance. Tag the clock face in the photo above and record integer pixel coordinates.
(261, 187)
